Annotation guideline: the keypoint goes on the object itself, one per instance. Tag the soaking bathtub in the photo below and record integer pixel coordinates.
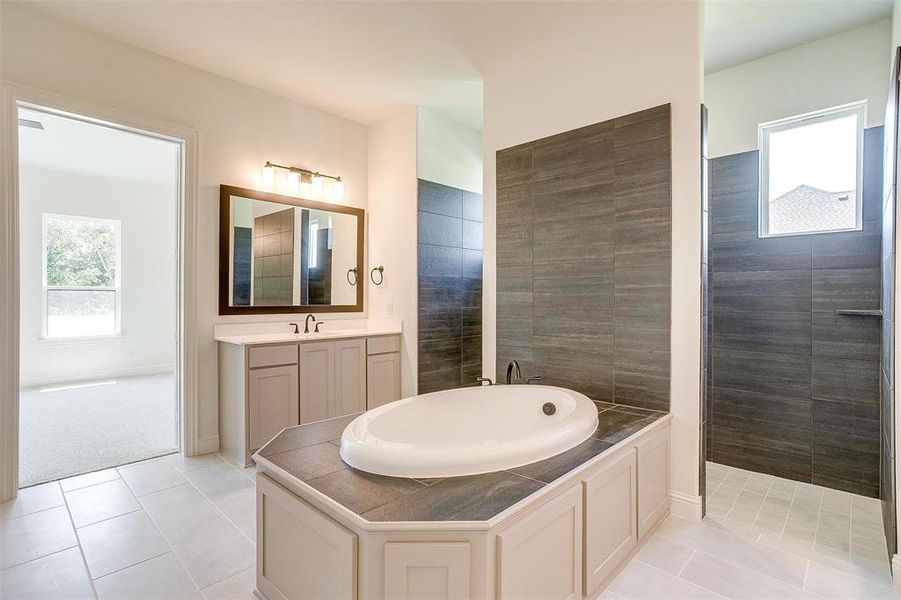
(468, 431)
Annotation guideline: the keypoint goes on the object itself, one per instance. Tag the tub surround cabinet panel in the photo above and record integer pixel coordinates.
(562, 539)
(793, 387)
(301, 554)
(266, 387)
(584, 259)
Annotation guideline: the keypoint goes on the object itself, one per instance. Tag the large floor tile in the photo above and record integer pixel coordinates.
(31, 500)
(178, 508)
(151, 476)
(160, 578)
(732, 581)
(214, 551)
(237, 587)
(93, 478)
(241, 508)
(638, 581)
(664, 554)
(120, 542)
(102, 501)
(60, 576)
(825, 582)
(219, 481)
(33, 536)
(192, 463)
(712, 538)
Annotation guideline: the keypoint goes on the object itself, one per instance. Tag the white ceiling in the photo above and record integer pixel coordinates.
(70, 145)
(364, 59)
(736, 31)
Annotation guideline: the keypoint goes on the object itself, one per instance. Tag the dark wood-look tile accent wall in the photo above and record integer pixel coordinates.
(273, 258)
(705, 293)
(450, 287)
(886, 371)
(584, 256)
(794, 388)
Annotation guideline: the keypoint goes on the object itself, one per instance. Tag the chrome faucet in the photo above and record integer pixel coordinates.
(306, 323)
(481, 380)
(513, 371)
(296, 330)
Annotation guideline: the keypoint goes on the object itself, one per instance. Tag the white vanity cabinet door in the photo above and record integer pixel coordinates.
(383, 379)
(416, 570)
(541, 555)
(301, 553)
(317, 381)
(610, 524)
(350, 377)
(273, 402)
(653, 480)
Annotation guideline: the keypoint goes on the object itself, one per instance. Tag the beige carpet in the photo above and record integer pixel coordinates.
(69, 429)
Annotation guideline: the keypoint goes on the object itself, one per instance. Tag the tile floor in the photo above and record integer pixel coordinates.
(764, 537)
(184, 528)
(164, 528)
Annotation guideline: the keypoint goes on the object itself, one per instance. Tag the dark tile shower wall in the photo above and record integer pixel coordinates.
(793, 387)
(584, 256)
(450, 287)
(273, 259)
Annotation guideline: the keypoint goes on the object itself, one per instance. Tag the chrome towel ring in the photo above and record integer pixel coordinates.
(347, 275)
(381, 271)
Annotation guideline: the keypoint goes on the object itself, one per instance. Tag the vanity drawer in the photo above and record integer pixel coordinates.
(269, 356)
(383, 345)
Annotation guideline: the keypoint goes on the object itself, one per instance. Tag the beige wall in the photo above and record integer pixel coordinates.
(239, 129)
(619, 57)
(846, 67)
(393, 232)
(449, 153)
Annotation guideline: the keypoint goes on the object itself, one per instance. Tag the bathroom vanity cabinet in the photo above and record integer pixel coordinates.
(267, 386)
(565, 540)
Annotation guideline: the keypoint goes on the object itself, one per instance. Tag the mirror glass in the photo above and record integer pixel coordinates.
(285, 255)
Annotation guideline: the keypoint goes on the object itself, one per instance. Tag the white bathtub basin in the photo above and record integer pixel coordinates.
(467, 431)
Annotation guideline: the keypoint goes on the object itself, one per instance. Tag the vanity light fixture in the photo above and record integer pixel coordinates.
(268, 174)
(293, 181)
(297, 175)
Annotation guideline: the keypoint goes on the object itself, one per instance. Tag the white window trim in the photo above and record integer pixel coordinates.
(764, 130)
(117, 288)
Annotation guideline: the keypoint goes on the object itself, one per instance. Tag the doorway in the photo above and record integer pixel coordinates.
(100, 210)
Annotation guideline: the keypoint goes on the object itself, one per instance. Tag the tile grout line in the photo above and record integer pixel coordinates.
(763, 503)
(84, 560)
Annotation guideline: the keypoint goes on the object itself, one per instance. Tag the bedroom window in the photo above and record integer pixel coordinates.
(811, 172)
(82, 293)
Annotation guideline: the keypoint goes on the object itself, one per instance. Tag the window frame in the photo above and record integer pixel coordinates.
(764, 130)
(116, 289)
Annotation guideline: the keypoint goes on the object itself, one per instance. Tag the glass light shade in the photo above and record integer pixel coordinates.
(293, 182)
(268, 178)
(317, 184)
(338, 189)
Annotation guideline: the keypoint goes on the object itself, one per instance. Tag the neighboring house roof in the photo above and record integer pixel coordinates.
(807, 208)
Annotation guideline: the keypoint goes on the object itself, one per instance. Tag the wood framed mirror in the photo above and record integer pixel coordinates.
(282, 254)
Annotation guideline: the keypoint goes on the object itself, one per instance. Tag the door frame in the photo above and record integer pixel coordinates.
(13, 95)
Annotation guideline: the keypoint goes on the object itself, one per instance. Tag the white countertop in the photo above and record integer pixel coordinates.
(248, 339)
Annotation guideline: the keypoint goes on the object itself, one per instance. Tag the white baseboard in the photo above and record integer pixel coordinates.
(896, 571)
(208, 444)
(686, 506)
(98, 375)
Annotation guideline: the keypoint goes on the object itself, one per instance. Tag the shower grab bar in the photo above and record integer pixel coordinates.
(858, 313)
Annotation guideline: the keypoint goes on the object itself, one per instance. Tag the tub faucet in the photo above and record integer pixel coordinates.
(513, 371)
(306, 323)
(481, 380)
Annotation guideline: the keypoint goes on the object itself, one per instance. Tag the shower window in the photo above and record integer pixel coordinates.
(81, 283)
(811, 169)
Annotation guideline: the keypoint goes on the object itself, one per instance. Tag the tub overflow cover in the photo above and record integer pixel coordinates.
(549, 408)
